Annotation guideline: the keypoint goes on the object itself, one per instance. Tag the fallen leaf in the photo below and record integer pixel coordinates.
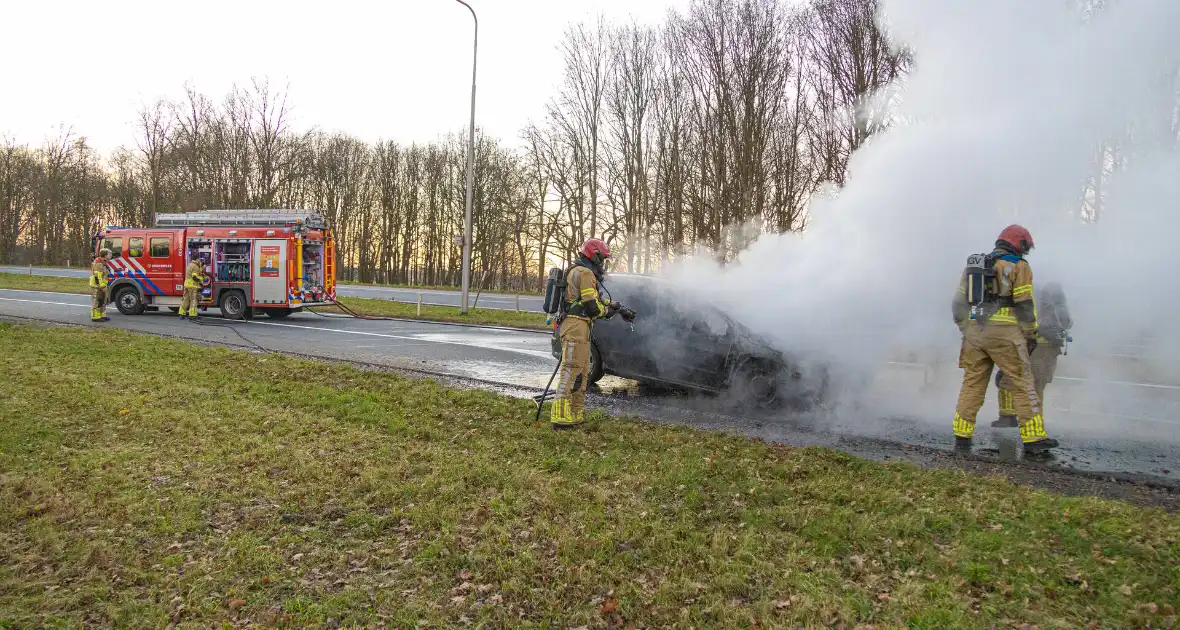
(882, 596)
(1150, 608)
(266, 580)
(780, 604)
(609, 606)
(235, 604)
(465, 575)
(296, 557)
(1125, 590)
(123, 412)
(458, 599)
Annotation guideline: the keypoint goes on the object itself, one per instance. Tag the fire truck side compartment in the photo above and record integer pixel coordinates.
(269, 281)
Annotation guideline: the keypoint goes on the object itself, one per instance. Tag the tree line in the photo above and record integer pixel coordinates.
(700, 132)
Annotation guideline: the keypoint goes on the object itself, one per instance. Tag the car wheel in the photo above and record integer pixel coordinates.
(277, 313)
(233, 305)
(596, 367)
(128, 301)
(754, 385)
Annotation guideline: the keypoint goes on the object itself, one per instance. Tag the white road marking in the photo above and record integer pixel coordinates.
(85, 306)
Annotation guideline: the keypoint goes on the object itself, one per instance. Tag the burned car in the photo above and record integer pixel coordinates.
(683, 342)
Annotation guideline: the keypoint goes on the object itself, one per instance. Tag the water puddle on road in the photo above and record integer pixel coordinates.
(520, 343)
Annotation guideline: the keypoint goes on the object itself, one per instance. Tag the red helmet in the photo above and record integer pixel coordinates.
(1017, 237)
(595, 250)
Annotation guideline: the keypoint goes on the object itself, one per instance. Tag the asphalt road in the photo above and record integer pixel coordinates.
(429, 296)
(1105, 424)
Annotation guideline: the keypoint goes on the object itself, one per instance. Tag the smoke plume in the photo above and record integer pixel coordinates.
(1010, 109)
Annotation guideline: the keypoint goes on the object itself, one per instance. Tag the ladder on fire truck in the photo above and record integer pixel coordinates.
(242, 218)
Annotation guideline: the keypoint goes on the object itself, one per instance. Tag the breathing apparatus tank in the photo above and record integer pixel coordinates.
(554, 294)
(980, 280)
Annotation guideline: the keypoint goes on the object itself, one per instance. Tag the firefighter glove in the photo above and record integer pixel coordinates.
(611, 309)
(627, 314)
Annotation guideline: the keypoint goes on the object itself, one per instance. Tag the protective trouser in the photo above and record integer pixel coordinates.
(573, 374)
(98, 303)
(1044, 364)
(188, 304)
(984, 348)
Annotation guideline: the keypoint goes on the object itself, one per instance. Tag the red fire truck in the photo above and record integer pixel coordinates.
(270, 261)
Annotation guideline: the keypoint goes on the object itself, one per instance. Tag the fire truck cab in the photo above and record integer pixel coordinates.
(270, 261)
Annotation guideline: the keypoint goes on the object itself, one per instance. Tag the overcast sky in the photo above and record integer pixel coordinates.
(395, 69)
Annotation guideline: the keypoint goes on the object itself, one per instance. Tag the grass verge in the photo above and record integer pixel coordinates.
(55, 284)
(364, 306)
(213, 487)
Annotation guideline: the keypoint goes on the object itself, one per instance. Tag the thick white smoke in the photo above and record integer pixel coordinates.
(1004, 114)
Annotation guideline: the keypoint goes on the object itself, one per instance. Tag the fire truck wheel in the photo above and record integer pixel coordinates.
(128, 301)
(233, 305)
(277, 313)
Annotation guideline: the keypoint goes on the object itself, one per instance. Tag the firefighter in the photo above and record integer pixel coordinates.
(192, 286)
(583, 305)
(1002, 333)
(98, 286)
(1053, 324)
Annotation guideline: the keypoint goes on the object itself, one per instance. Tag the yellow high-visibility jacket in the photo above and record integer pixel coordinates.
(98, 274)
(193, 275)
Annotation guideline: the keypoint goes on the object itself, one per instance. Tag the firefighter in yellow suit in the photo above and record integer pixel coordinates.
(1053, 324)
(583, 305)
(193, 275)
(1002, 334)
(98, 286)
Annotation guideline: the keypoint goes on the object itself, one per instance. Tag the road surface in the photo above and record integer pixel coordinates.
(439, 297)
(1105, 425)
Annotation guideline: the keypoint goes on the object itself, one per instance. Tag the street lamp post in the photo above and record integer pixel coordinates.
(466, 270)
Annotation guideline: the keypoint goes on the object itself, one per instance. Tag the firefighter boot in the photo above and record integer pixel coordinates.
(1032, 433)
(1041, 445)
(962, 444)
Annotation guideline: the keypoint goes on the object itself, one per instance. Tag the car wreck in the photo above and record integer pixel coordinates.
(684, 342)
